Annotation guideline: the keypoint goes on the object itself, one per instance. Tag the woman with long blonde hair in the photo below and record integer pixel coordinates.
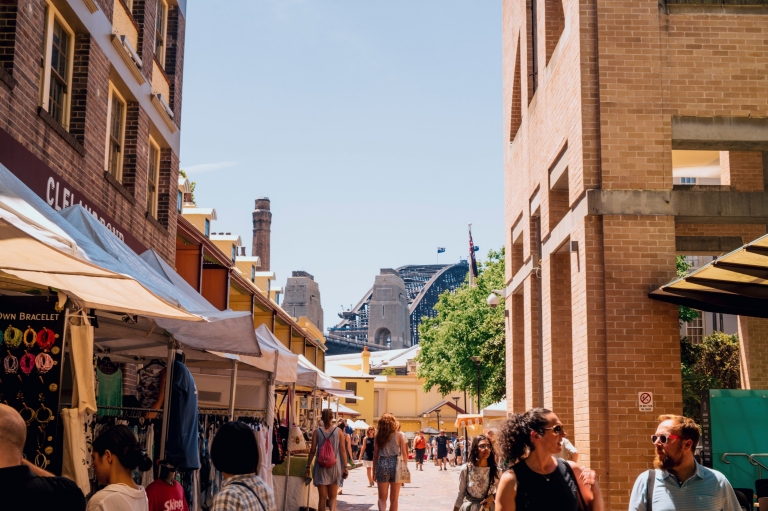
(388, 445)
(327, 478)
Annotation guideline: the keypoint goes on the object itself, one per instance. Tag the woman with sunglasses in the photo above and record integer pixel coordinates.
(478, 478)
(536, 478)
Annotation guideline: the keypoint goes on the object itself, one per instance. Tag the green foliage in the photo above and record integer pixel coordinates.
(713, 364)
(466, 326)
(685, 314)
(192, 184)
(389, 371)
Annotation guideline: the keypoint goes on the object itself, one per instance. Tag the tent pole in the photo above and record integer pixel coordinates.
(288, 414)
(232, 388)
(167, 396)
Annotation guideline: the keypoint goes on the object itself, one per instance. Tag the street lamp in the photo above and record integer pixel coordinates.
(493, 298)
(476, 360)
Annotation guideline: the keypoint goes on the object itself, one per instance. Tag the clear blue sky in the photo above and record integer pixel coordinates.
(375, 128)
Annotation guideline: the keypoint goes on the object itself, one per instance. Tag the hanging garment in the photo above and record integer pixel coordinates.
(110, 390)
(151, 388)
(75, 458)
(148, 445)
(181, 448)
(81, 351)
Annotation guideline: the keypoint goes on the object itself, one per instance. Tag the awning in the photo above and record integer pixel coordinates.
(342, 393)
(358, 424)
(275, 358)
(498, 409)
(342, 410)
(310, 376)
(468, 419)
(736, 283)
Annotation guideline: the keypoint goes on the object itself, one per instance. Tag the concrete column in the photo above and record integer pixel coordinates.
(753, 352)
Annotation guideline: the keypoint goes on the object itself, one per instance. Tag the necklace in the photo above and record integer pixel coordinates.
(45, 338)
(28, 331)
(12, 337)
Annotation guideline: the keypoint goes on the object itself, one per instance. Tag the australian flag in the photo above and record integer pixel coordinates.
(472, 251)
(440, 250)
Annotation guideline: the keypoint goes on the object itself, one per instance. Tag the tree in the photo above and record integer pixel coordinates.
(466, 326)
(389, 371)
(713, 364)
(685, 314)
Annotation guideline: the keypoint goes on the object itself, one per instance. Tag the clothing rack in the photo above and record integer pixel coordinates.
(133, 412)
(238, 412)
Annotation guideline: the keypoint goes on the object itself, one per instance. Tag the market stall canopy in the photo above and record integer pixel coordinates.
(341, 409)
(736, 283)
(468, 419)
(228, 331)
(342, 393)
(275, 358)
(35, 248)
(358, 424)
(495, 410)
(430, 431)
(310, 376)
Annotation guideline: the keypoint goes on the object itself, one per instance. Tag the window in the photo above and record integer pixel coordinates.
(253, 273)
(56, 79)
(161, 26)
(687, 180)
(115, 134)
(153, 178)
(233, 253)
(694, 330)
(179, 201)
(207, 228)
(351, 385)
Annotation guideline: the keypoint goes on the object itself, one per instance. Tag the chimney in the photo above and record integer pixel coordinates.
(262, 227)
(366, 356)
(242, 251)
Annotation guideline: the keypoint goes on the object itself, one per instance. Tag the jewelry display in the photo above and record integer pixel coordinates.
(12, 337)
(45, 338)
(41, 460)
(44, 410)
(11, 364)
(43, 362)
(27, 363)
(29, 344)
(26, 409)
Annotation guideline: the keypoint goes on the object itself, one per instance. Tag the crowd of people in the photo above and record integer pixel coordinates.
(529, 466)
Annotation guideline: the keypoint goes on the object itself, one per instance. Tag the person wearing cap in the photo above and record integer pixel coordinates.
(165, 493)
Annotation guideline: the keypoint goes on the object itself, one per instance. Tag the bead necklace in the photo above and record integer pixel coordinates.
(43, 411)
(45, 338)
(25, 409)
(43, 362)
(27, 363)
(11, 364)
(29, 344)
(12, 337)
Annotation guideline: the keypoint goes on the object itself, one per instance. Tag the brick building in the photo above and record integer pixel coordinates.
(90, 109)
(601, 99)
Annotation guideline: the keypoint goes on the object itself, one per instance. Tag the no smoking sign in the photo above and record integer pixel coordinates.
(645, 401)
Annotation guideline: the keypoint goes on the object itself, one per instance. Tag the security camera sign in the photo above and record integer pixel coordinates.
(645, 401)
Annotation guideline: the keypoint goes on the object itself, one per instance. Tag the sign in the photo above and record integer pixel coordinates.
(318, 403)
(32, 350)
(53, 189)
(645, 401)
(303, 403)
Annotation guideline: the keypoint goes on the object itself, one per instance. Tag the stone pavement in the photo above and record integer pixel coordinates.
(429, 490)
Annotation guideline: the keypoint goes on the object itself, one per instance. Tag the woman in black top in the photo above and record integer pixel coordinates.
(366, 454)
(537, 479)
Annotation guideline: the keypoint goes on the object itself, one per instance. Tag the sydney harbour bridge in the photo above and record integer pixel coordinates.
(423, 286)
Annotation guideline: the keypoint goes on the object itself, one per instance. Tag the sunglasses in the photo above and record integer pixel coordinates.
(663, 438)
(484, 447)
(558, 430)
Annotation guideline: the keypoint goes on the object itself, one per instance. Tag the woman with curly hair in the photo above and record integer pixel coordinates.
(389, 444)
(478, 478)
(536, 479)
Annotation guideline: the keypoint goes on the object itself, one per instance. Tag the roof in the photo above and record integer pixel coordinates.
(184, 185)
(441, 404)
(736, 283)
(399, 359)
(248, 259)
(234, 238)
(200, 211)
(340, 371)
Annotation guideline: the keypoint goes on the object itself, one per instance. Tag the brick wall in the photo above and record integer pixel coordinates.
(85, 172)
(175, 59)
(145, 14)
(742, 169)
(8, 14)
(753, 344)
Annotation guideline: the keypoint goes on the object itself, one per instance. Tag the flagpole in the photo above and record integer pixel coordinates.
(469, 259)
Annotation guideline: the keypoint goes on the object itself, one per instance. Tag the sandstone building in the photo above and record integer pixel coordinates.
(602, 101)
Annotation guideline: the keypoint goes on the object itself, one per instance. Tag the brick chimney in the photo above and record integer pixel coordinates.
(262, 227)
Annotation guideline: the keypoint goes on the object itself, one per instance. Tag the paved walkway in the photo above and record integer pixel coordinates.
(429, 490)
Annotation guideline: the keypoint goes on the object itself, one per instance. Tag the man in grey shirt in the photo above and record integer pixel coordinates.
(678, 482)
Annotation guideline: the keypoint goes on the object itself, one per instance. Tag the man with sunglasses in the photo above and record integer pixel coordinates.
(677, 481)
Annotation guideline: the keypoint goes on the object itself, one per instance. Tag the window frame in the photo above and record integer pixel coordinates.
(110, 99)
(179, 200)
(52, 15)
(207, 228)
(161, 4)
(152, 208)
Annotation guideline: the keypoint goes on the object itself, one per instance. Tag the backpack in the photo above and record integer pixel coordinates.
(327, 457)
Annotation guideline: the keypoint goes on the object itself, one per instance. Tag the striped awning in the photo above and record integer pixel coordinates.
(736, 283)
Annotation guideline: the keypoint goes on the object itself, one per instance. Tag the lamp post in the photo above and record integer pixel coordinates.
(456, 404)
(476, 360)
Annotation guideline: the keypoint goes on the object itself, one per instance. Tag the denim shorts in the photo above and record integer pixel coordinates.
(386, 469)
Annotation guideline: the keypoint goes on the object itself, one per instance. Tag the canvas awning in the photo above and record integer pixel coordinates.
(468, 419)
(342, 393)
(310, 376)
(736, 283)
(275, 358)
(342, 410)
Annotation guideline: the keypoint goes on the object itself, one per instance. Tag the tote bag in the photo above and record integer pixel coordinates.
(403, 474)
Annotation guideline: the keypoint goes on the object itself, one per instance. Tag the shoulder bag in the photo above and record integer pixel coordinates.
(582, 503)
(403, 474)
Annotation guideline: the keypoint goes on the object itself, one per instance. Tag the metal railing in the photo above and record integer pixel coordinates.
(750, 458)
